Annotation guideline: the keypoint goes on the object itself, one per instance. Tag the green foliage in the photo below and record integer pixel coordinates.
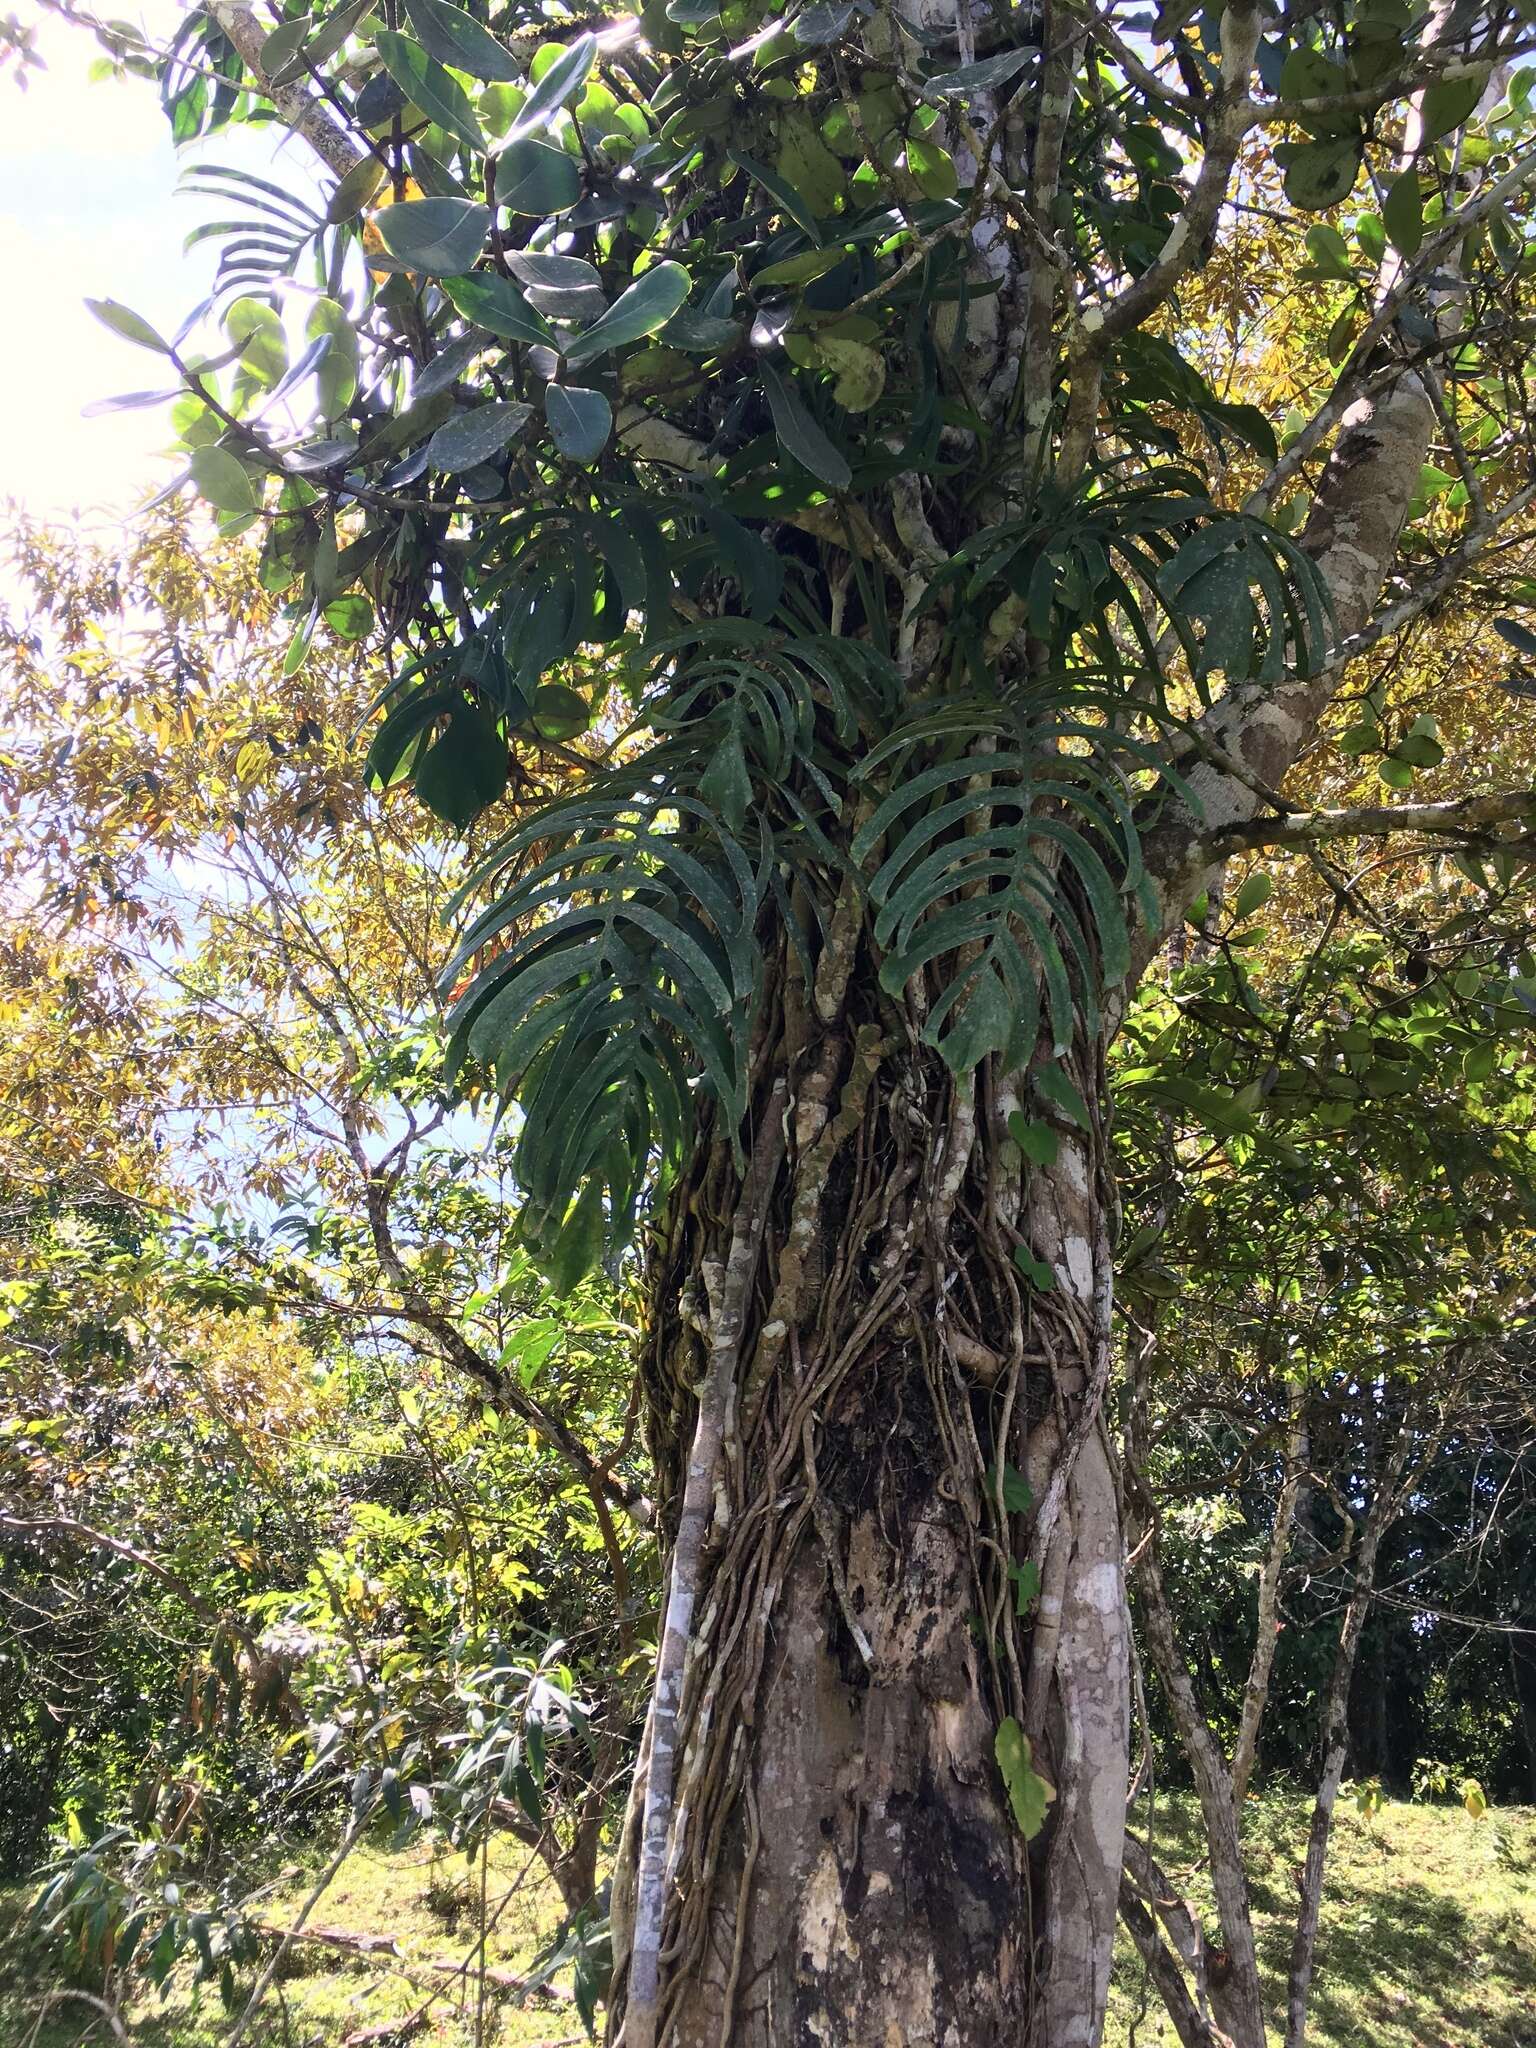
(1029, 1794)
(499, 440)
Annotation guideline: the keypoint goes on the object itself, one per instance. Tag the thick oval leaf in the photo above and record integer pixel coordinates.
(280, 51)
(427, 85)
(560, 713)
(536, 178)
(1402, 214)
(319, 455)
(223, 480)
(499, 307)
(1321, 174)
(1450, 104)
(799, 436)
(643, 310)
(127, 401)
(446, 369)
(552, 273)
(454, 37)
(826, 22)
(440, 236)
(257, 332)
(579, 420)
(128, 324)
(355, 190)
(336, 373)
(559, 85)
(473, 437)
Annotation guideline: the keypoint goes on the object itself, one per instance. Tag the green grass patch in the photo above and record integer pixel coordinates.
(1428, 1933)
(426, 1902)
(1429, 1941)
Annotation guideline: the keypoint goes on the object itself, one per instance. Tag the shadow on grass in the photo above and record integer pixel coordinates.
(1429, 1921)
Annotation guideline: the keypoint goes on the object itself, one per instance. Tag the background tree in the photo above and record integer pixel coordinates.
(268, 1539)
(814, 393)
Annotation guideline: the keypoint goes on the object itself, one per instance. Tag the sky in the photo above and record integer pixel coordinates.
(89, 209)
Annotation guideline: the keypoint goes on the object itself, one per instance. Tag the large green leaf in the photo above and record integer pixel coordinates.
(499, 307)
(557, 88)
(465, 767)
(427, 85)
(536, 178)
(223, 480)
(645, 308)
(128, 324)
(454, 37)
(440, 236)
(1029, 1794)
(473, 437)
(800, 436)
(579, 420)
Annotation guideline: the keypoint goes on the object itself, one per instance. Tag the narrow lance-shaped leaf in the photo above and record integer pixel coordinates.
(799, 434)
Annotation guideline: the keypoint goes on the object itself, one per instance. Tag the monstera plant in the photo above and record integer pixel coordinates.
(820, 566)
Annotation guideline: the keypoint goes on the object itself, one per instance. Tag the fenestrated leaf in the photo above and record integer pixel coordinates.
(440, 236)
(580, 420)
(536, 178)
(464, 768)
(798, 434)
(475, 436)
(454, 37)
(493, 303)
(427, 85)
(647, 306)
(559, 85)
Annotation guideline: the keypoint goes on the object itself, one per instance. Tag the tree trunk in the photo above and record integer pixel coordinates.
(841, 1483)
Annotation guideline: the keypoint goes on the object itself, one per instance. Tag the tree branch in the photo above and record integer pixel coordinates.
(1469, 818)
(295, 105)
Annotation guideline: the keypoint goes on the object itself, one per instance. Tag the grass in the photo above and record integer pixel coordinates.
(1428, 1934)
(1429, 1941)
(425, 1901)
